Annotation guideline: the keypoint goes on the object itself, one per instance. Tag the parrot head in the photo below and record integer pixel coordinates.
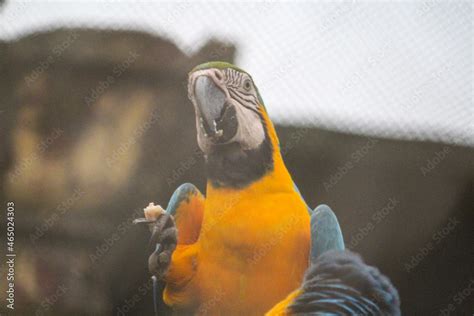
(232, 125)
(227, 105)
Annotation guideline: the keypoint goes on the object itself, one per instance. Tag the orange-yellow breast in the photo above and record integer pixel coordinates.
(254, 253)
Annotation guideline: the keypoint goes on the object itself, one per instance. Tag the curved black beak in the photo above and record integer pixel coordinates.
(211, 103)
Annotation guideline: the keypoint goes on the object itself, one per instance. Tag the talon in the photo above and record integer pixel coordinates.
(158, 229)
(163, 257)
(163, 241)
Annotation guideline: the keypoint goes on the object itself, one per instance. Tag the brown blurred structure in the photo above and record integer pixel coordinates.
(96, 124)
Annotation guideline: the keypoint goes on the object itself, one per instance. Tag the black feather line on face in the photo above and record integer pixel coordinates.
(241, 102)
(232, 167)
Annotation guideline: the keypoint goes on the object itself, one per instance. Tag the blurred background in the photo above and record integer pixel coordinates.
(373, 103)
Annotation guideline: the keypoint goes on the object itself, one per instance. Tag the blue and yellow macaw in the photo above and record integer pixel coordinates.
(245, 247)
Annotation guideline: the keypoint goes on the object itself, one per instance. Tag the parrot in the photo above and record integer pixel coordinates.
(251, 245)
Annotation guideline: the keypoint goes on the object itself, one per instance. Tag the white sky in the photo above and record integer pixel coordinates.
(393, 69)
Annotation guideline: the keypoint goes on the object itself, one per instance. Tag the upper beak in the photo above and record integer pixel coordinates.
(210, 102)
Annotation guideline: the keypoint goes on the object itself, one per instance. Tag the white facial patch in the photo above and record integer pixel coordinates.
(239, 93)
(251, 132)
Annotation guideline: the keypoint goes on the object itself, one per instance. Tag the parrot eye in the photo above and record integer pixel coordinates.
(247, 85)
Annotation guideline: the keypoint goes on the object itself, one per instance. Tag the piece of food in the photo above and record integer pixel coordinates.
(152, 212)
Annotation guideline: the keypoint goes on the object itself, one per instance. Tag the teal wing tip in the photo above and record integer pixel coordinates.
(326, 233)
(182, 193)
(324, 212)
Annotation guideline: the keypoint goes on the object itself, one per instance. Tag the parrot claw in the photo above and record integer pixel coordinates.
(163, 242)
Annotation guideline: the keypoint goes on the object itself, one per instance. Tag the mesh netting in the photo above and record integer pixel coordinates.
(397, 70)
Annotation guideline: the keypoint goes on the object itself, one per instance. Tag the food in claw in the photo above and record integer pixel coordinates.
(152, 211)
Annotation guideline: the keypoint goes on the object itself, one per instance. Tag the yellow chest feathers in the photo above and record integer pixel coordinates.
(266, 217)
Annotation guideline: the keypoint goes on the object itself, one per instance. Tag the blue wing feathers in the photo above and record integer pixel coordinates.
(181, 194)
